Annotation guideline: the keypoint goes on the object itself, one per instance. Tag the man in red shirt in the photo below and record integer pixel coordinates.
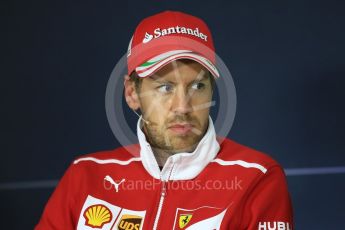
(180, 175)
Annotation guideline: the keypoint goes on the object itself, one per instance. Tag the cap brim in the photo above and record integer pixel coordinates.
(154, 64)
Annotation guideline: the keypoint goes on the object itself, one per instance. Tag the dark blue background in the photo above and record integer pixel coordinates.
(286, 58)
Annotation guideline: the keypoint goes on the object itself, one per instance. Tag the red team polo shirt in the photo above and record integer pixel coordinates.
(218, 186)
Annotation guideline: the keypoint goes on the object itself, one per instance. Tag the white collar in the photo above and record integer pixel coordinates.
(180, 166)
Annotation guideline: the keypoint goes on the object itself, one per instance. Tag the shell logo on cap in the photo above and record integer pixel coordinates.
(97, 215)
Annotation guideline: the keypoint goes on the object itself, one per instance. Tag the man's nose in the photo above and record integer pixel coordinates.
(181, 101)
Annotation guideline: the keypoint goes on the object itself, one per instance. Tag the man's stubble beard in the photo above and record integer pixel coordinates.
(164, 140)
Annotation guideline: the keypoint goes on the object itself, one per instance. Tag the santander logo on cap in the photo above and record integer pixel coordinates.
(168, 36)
(158, 32)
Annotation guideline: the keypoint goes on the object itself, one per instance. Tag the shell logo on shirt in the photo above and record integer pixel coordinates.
(97, 215)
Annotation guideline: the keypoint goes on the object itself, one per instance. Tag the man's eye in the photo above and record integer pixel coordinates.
(166, 88)
(198, 85)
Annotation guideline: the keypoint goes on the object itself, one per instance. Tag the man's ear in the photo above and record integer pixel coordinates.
(131, 95)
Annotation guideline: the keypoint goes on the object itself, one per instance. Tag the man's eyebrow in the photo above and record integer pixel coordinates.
(204, 76)
(159, 79)
(153, 77)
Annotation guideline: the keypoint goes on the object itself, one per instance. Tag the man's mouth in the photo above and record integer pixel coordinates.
(182, 128)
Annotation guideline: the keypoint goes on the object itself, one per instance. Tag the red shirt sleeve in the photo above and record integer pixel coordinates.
(269, 205)
(58, 212)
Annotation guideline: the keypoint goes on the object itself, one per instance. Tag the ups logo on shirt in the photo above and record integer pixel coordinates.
(129, 222)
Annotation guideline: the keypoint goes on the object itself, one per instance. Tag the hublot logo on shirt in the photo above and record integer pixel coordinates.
(276, 225)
